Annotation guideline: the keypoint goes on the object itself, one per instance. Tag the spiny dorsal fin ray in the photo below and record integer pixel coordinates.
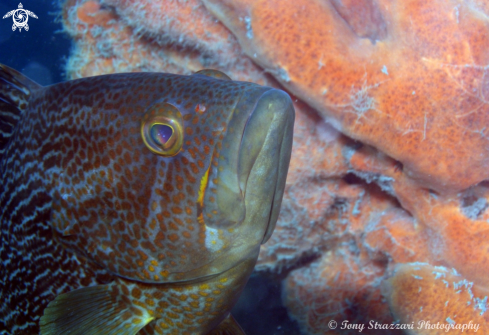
(228, 326)
(15, 89)
(94, 310)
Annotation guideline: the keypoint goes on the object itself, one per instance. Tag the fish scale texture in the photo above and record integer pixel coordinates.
(399, 178)
(86, 205)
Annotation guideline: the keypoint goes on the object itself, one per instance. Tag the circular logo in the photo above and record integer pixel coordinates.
(20, 18)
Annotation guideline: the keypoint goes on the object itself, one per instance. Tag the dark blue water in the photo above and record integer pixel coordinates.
(39, 53)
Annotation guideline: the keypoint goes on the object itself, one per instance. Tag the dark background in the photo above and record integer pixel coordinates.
(39, 53)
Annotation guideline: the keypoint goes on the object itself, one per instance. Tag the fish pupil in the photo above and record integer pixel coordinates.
(161, 133)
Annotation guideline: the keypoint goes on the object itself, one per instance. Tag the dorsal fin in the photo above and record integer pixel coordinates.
(15, 89)
(214, 74)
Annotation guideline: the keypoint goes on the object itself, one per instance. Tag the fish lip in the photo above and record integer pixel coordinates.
(241, 145)
(281, 122)
(267, 233)
(284, 154)
(252, 112)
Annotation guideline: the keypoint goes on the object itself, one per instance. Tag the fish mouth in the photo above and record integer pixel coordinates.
(263, 159)
(248, 181)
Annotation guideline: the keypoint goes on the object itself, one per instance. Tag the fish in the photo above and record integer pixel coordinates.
(135, 203)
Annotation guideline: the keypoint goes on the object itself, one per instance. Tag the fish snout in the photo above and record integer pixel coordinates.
(263, 160)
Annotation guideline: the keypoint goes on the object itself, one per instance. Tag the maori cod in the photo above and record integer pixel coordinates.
(135, 203)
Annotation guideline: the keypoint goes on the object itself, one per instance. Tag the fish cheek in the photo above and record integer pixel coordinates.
(100, 217)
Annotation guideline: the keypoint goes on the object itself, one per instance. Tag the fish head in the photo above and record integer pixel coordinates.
(174, 178)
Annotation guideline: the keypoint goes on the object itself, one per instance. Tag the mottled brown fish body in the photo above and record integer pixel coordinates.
(135, 201)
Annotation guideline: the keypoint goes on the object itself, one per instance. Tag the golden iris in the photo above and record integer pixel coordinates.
(162, 129)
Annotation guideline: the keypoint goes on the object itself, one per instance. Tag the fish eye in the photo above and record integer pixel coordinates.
(161, 129)
(162, 134)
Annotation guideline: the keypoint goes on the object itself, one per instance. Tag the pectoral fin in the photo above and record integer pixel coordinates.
(95, 310)
(228, 326)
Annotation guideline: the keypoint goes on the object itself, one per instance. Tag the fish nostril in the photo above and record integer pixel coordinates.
(200, 108)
